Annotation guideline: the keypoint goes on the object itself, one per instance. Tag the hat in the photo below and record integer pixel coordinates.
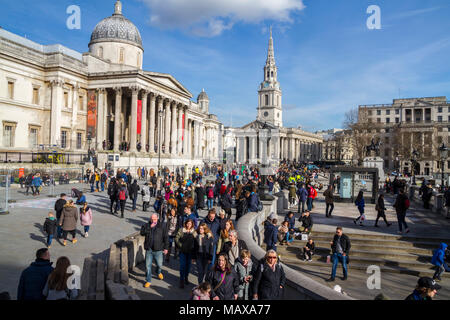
(426, 282)
(272, 216)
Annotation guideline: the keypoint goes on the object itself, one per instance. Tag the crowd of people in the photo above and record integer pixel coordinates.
(225, 267)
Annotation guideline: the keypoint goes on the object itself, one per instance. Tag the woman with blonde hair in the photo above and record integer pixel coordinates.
(56, 286)
(224, 235)
(68, 221)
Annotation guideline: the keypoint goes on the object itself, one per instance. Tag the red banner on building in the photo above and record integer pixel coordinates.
(139, 116)
(182, 136)
(92, 114)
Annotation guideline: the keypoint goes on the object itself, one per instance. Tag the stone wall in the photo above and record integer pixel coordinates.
(251, 230)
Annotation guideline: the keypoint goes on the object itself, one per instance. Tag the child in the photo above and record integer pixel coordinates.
(50, 228)
(86, 218)
(202, 292)
(308, 250)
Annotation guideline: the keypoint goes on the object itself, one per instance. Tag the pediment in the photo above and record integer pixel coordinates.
(169, 81)
(256, 125)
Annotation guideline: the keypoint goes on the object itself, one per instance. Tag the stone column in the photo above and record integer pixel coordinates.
(75, 103)
(252, 149)
(189, 138)
(117, 112)
(152, 124)
(179, 130)
(173, 138)
(160, 120)
(100, 116)
(185, 132)
(57, 102)
(167, 128)
(144, 121)
(133, 128)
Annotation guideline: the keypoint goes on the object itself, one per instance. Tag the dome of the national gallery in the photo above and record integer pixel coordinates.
(116, 28)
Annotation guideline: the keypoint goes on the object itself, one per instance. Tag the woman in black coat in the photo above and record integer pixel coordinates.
(200, 191)
(223, 279)
(270, 279)
(227, 203)
(380, 209)
(203, 249)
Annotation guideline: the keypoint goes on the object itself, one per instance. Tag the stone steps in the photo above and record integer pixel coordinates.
(366, 236)
(419, 272)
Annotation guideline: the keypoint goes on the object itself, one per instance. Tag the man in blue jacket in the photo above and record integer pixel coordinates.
(439, 261)
(302, 195)
(271, 235)
(33, 279)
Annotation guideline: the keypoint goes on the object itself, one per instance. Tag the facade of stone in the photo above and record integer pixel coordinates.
(47, 94)
(265, 140)
(421, 124)
(337, 146)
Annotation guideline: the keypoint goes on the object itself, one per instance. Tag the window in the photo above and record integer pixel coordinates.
(267, 99)
(370, 112)
(397, 120)
(10, 89)
(439, 109)
(121, 55)
(378, 112)
(272, 74)
(66, 99)
(388, 120)
(33, 139)
(379, 120)
(388, 112)
(268, 74)
(278, 100)
(448, 109)
(63, 139)
(79, 139)
(35, 96)
(397, 111)
(387, 130)
(439, 118)
(80, 103)
(448, 118)
(8, 136)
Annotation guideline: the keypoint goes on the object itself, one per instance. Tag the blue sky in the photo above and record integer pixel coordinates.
(328, 60)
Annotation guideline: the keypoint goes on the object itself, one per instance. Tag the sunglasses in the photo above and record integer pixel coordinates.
(271, 257)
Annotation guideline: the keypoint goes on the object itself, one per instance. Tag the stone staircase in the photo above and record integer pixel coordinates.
(394, 254)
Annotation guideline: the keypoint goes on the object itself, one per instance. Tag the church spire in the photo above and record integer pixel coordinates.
(270, 52)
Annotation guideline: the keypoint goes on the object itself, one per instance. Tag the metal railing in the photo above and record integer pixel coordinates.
(44, 157)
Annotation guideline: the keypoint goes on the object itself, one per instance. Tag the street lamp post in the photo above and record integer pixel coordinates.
(160, 113)
(443, 153)
(415, 155)
(89, 140)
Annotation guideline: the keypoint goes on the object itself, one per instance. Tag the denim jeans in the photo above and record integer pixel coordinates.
(92, 187)
(86, 229)
(210, 203)
(58, 230)
(213, 257)
(202, 266)
(289, 238)
(401, 221)
(302, 202)
(309, 202)
(196, 211)
(149, 255)
(185, 265)
(49, 239)
(134, 203)
(103, 186)
(440, 270)
(336, 258)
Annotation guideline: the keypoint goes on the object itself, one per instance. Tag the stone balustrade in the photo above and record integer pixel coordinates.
(437, 202)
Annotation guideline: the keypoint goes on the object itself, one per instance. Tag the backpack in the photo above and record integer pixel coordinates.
(122, 195)
(210, 193)
(407, 203)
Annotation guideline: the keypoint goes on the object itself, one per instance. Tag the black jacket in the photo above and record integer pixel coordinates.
(399, 204)
(200, 197)
(267, 282)
(59, 205)
(113, 190)
(227, 289)
(133, 190)
(50, 226)
(227, 246)
(345, 244)
(227, 202)
(207, 248)
(307, 222)
(159, 237)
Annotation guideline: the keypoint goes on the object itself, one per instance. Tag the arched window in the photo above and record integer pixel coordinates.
(100, 52)
(121, 55)
(268, 74)
(272, 74)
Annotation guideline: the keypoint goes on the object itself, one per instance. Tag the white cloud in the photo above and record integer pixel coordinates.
(211, 18)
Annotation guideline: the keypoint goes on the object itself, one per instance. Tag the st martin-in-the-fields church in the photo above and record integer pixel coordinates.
(265, 139)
